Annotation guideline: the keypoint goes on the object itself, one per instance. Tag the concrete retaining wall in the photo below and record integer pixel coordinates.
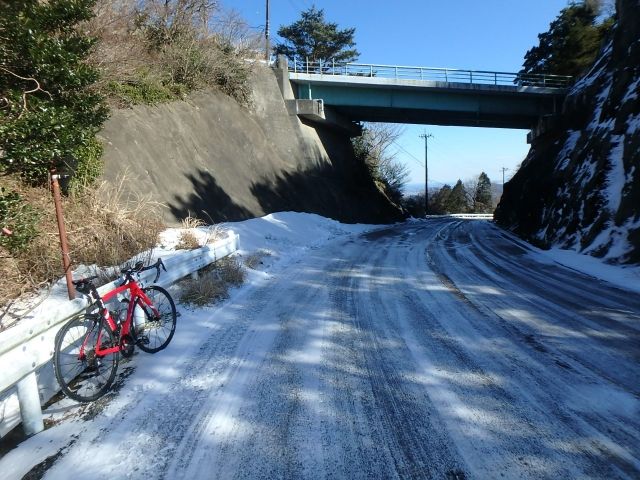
(209, 157)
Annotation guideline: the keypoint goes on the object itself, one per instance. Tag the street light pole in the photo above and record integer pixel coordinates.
(426, 172)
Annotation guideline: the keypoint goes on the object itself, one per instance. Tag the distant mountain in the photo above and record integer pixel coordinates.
(414, 188)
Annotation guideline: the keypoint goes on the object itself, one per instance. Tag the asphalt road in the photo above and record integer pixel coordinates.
(442, 349)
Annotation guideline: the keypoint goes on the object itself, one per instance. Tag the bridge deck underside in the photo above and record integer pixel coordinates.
(504, 108)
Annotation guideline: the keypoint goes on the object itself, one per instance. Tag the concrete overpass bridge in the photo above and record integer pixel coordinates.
(344, 94)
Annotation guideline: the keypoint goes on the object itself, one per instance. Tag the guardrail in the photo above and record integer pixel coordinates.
(468, 216)
(447, 75)
(26, 350)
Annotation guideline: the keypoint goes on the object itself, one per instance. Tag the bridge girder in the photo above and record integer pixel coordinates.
(432, 103)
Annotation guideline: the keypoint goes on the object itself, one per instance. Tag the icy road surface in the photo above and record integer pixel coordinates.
(441, 349)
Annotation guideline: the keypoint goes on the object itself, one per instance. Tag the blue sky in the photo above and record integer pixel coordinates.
(467, 34)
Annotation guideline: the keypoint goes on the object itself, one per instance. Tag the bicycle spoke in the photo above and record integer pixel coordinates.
(156, 331)
(81, 374)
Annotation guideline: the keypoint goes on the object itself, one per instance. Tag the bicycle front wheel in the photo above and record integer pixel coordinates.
(83, 375)
(155, 324)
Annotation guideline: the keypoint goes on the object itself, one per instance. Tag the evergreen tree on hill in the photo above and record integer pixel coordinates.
(438, 200)
(457, 199)
(482, 196)
(572, 42)
(313, 38)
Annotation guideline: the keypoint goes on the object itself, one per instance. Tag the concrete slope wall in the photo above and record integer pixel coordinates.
(209, 157)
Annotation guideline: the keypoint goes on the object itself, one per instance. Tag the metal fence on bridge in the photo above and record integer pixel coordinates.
(447, 75)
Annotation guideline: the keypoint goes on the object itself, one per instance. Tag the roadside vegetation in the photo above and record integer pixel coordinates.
(475, 195)
(212, 283)
(63, 65)
(373, 148)
(573, 40)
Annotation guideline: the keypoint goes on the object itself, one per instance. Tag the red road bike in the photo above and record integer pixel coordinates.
(87, 348)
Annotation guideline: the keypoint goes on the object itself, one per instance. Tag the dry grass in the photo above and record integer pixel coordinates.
(231, 271)
(253, 260)
(213, 283)
(105, 227)
(187, 241)
(192, 222)
(204, 290)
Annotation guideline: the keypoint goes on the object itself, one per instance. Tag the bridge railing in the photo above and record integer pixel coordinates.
(448, 75)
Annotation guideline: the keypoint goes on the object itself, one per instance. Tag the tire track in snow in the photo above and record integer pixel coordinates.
(360, 362)
(157, 431)
(552, 375)
(414, 436)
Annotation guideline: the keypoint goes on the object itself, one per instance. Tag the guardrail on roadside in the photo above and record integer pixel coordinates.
(469, 216)
(447, 75)
(26, 350)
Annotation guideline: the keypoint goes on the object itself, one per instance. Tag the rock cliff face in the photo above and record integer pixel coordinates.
(579, 187)
(210, 158)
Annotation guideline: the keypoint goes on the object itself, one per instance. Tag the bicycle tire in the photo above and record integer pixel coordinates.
(84, 379)
(153, 334)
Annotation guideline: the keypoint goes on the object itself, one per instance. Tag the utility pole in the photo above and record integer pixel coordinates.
(267, 52)
(504, 169)
(426, 171)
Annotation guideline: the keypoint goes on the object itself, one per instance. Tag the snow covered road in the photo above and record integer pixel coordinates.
(435, 349)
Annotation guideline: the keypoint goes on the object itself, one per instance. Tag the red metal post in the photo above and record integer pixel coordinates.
(66, 259)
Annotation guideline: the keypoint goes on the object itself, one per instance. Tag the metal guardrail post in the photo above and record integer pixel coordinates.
(29, 400)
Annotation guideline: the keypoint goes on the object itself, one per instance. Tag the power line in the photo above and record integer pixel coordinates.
(408, 153)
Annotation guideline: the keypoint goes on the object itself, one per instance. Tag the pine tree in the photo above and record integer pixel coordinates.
(313, 38)
(571, 44)
(457, 199)
(438, 200)
(482, 196)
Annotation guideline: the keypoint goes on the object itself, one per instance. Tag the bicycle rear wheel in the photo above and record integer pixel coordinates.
(153, 332)
(82, 375)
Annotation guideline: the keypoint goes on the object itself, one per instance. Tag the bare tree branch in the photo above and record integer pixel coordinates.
(38, 88)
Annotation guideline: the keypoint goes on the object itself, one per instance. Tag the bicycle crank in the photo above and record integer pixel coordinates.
(126, 346)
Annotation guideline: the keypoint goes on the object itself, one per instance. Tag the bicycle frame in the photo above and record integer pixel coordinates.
(135, 292)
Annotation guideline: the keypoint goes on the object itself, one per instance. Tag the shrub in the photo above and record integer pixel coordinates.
(203, 291)
(141, 91)
(213, 282)
(231, 271)
(50, 114)
(19, 218)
